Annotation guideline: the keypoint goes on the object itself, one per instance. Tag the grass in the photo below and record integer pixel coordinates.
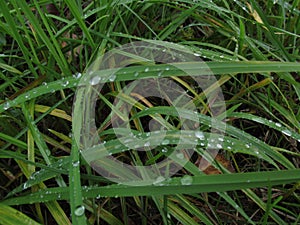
(250, 46)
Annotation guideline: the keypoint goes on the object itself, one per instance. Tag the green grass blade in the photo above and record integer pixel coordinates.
(11, 216)
(200, 183)
(77, 207)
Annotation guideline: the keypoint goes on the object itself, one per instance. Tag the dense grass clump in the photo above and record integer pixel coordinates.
(250, 47)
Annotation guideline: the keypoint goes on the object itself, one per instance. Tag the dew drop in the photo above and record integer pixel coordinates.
(200, 135)
(220, 139)
(112, 77)
(219, 146)
(167, 68)
(278, 124)
(77, 75)
(186, 180)
(146, 69)
(287, 132)
(247, 145)
(95, 80)
(76, 163)
(79, 211)
(147, 144)
(25, 185)
(6, 105)
(164, 150)
(65, 83)
(197, 54)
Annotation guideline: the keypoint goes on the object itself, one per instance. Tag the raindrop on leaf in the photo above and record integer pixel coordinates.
(112, 77)
(79, 211)
(287, 132)
(76, 163)
(186, 180)
(200, 135)
(6, 105)
(95, 80)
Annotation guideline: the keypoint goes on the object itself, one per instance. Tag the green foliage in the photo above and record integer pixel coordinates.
(252, 47)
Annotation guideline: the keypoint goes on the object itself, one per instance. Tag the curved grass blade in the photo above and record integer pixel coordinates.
(200, 183)
(129, 73)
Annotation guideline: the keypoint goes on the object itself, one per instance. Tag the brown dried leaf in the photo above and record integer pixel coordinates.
(209, 169)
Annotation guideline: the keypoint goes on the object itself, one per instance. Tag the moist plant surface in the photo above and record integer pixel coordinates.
(249, 51)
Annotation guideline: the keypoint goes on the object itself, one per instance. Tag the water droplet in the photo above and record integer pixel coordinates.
(112, 77)
(167, 68)
(76, 163)
(158, 180)
(65, 83)
(79, 211)
(197, 54)
(164, 150)
(159, 73)
(287, 132)
(165, 142)
(77, 75)
(44, 83)
(278, 124)
(219, 146)
(186, 180)
(221, 56)
(200, 135)
(146, 69)
(25, 185)
(147, 144)
(136, 74)
(247, 145)
(6, 105)
(95, 80)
